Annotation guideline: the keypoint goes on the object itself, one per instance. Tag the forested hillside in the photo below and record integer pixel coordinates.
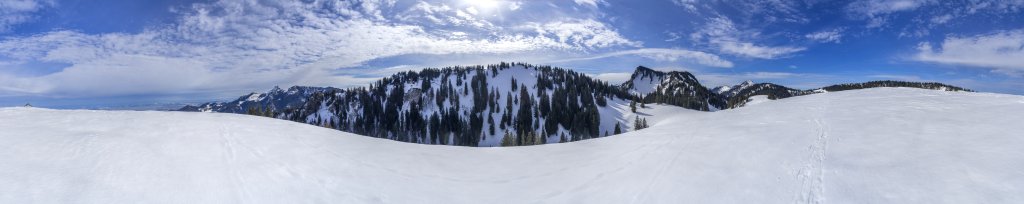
(501, 104)
(505, 104)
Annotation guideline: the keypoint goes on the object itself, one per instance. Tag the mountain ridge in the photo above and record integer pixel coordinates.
(505, 104)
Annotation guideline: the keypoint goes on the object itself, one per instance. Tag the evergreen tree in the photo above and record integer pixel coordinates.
(632, 106)
(490, 123)
(514, 84)
(544, 105)
(508, 140)
(639, 123)
(617, 129)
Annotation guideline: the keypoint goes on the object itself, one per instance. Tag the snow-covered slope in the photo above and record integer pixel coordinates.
(465, 106)
(882, 145)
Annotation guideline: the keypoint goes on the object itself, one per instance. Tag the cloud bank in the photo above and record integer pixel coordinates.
(233, 45)
(1002, 51)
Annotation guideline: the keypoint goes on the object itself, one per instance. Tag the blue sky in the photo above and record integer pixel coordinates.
(93, 53)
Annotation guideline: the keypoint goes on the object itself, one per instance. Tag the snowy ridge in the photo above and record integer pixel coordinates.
(466, 106)
(275, 99)
(747, 92)
(916, 146)
(482, 105)
(677, 88)
(727, 91)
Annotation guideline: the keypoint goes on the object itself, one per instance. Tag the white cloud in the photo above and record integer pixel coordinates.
(14, 12)
(728, 79)
(941, 19)
(591, 3)
(721, 33)
(1003, 51)
(245, 44)
(873, 8)
(996, 6)
(876, 12)
(896, 77)
(580, 34)
(515, 5)
(755, 51)
(672, 36)
(828, 36)
(669, 55)
(689, 5)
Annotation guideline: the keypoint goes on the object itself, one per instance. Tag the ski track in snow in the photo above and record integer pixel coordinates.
(813, 175)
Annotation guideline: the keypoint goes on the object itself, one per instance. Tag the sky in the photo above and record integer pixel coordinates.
(81, 54)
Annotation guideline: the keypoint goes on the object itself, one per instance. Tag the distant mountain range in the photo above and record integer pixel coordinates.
(506, 104)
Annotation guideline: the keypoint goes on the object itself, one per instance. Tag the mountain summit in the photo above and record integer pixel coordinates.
(678, 88)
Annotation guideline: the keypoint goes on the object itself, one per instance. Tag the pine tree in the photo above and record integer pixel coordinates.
(267, 112)
(251, 110)
(639, 124)
(544, 105)
(490, 123)
(524, 118)
(544, 135)
(514, 84)
(508, 139)
(636, 123)
(617, 129)
(632, 106)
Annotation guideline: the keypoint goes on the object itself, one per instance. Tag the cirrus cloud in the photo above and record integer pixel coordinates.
(662, 54)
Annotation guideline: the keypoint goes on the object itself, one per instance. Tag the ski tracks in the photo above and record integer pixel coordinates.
(665, 168)
(230, 143)
(812, 176)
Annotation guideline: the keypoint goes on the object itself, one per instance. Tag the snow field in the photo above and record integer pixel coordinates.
(882, 145)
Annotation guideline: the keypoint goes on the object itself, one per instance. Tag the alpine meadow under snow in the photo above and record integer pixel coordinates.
(879, 145)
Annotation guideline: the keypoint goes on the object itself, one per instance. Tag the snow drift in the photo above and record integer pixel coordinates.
(883, 145)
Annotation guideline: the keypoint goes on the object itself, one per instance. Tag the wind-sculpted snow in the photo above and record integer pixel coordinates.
(883, 145)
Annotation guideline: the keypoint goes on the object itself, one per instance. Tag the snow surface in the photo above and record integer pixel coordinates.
(254, 97)
(882, 145)
(753, 100)
(645, 85)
